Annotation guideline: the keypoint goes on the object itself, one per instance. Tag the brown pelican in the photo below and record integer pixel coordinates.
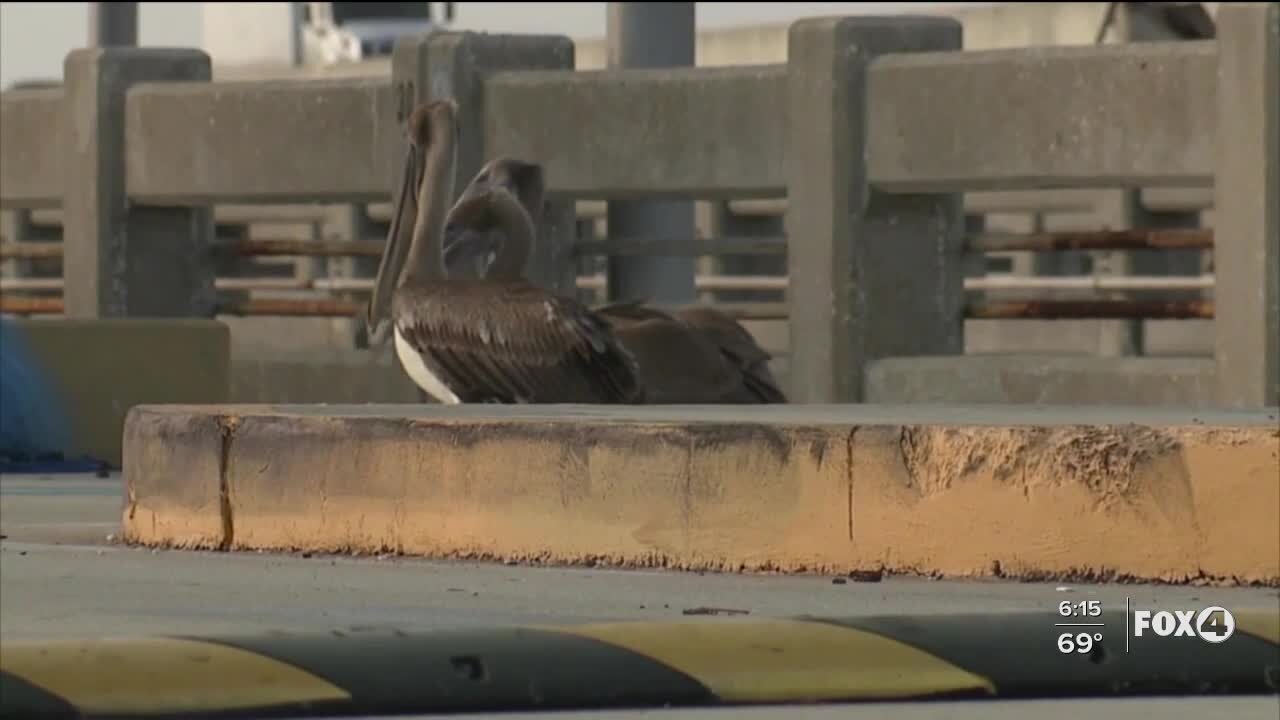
(696, 355)
(469, 340)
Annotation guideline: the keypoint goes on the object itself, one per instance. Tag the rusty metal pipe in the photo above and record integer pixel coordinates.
(1032, 310)
(288, 307)
(1091, 310)
(20, 305)
(1131, 239)
(681, 247)
(257, 247)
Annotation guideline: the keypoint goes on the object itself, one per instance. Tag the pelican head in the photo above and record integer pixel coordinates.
(432, 128)
(495, 216)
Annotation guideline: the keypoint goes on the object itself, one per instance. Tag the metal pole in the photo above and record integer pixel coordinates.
(651, 35)
(113, 23)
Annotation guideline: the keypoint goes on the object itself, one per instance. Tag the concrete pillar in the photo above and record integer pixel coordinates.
(454, 65)
(651, 35)
(113, 24)
(1247, 206)
(875, 275)
(122, 259)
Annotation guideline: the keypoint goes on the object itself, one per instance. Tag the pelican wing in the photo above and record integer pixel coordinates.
(697, 355)
(515, 343)
(677, 364)
(740, 348)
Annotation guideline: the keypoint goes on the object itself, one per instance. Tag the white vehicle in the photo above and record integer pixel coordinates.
(270, 34)
(338, 32)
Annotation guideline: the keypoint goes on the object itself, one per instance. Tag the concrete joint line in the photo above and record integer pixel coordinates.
(226, 430)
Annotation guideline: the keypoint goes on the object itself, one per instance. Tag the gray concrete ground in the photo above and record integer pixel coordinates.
(59, 577)
(1129, 709)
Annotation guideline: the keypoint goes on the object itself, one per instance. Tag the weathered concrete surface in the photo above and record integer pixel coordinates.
(85, 584)
(102, 368)
(882, 273)
(959, 491)
(63, 577)
(1247, 199)
(122, 257)
(335, 379)
(1106, 96)
(249, 133)
(30, 158)
(1043, 379)
(690, 122)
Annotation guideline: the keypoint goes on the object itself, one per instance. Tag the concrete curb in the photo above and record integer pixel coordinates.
(636, 664)
(1012, 492)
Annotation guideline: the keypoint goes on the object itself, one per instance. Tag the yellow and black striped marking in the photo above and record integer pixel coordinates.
(631, 664)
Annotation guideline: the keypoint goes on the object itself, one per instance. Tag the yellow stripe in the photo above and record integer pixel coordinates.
(780, 660)
(161, 674)
(1258, 623)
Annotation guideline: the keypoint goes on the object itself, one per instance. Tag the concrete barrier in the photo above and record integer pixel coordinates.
(962, 491)
(856, 124)
(349, 377)
(102, 368)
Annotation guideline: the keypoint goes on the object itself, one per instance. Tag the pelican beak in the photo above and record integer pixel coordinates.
(396, 250)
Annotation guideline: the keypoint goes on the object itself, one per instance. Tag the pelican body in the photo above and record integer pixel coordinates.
(696, 355)
(483, 340)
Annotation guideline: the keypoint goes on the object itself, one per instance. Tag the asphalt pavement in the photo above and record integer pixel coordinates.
(63, 573)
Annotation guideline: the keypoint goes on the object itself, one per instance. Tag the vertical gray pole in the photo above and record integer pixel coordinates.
(651, 35)
(113, 24)
(295, 34)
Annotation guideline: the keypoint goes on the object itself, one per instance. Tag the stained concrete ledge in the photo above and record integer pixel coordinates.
(1030, 492)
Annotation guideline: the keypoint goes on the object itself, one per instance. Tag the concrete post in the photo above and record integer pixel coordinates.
(651, 35)
(454, 65)
(113, 24)
(1247, 206)
(874, 275)
(123, 259)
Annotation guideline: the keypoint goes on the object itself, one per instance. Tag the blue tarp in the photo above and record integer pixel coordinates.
(35, 430)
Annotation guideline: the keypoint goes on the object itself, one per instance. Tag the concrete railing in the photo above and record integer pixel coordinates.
(873, 129)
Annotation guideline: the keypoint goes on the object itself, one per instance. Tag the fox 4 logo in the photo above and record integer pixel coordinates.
(1213, 624)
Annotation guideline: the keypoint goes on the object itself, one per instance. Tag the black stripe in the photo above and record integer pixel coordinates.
(21, 699)
(494, 670)
(1019, 653)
